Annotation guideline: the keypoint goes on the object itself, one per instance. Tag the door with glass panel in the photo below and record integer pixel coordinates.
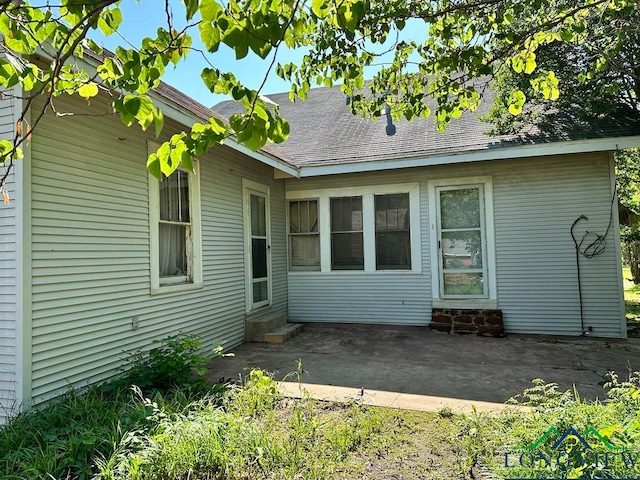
(461, 242)
(258, 245)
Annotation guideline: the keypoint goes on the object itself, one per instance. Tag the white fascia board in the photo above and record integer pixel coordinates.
(497, 153)
(187, 118)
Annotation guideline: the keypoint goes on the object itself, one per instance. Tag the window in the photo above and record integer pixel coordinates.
(347, 245)
(304, 236)
(463, 240)
(370, 229)
(175, 231)
(393, 236)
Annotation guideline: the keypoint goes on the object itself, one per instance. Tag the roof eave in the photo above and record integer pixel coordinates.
(188, 118)
(498, 153)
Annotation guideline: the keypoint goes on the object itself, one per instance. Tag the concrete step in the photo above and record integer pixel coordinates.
(255, 328)
(284, 333)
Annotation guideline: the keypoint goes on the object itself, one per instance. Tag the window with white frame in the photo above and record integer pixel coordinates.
(175, 231)
(393, 232)
(368, 229)
(347, 242)
(304, 235)
(463, 214)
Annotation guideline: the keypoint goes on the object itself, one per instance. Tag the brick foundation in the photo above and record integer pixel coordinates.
(455, 320)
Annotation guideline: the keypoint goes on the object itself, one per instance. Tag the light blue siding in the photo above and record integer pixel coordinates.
(8, 262)
(90, 248)
(535, 202)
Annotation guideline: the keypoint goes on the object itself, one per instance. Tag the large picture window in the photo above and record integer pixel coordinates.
(347, 243)
(304, 235)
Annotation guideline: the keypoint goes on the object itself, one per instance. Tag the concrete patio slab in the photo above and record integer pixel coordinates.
(418, 361)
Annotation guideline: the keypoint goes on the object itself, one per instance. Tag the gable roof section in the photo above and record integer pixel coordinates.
(326, 138)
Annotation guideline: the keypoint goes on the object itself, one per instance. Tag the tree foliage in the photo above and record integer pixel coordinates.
(596, 77)
(466, 42)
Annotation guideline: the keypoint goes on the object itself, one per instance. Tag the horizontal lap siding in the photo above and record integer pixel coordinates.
(90, 249)
(383, 298)
(537, 279)
(8, 345)
(535, 202)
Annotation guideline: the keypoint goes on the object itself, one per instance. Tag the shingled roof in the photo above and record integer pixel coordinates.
(324, 132)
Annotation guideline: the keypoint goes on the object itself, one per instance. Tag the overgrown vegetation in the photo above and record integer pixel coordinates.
(176, 427)
(182, 429)
(539, 443)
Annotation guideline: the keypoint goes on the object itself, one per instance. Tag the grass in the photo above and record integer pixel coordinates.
(240, 433)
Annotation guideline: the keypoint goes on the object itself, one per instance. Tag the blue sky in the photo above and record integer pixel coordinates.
(142, 19)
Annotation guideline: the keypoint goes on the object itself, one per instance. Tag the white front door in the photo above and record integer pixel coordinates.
(257, 245)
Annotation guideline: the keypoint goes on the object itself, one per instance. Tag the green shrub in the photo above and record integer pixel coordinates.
(175, 362)
(531, 443)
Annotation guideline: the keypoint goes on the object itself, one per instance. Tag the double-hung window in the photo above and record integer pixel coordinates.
(347, 242)
(304, 235)
(174, 212)
(393, 232)
(367, 229)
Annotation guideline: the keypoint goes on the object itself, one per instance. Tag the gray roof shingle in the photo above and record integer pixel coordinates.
(324, 132)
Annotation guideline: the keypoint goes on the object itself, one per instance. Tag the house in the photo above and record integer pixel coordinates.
(349, 221)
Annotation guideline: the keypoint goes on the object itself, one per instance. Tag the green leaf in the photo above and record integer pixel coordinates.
(320, 8)
(158, 120)
(210, 36)
(109, 21)
(517, 101)
(191, 7)
(153, 165)
(210, 10)
(88, 90)
(530, 62)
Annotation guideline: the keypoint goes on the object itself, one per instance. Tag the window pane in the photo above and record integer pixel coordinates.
(463, 284)
(305, 250)
(258, 216)
(460, 208)
(462, 249)
(347, 251)
(393, 250)
(303, 216)
(392, 212)
(294, 217)
(174, 197)
(313, 216)
(260, 293)
(346, 214)
(173, 250)
(259, 257)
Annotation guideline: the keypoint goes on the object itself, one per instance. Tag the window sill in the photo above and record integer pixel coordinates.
(179, 287)
(356, 272)
(473, 303)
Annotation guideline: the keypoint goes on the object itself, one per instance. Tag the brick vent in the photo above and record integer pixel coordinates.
(456, 320)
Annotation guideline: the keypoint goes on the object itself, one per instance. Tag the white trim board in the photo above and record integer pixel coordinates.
(498, 153)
